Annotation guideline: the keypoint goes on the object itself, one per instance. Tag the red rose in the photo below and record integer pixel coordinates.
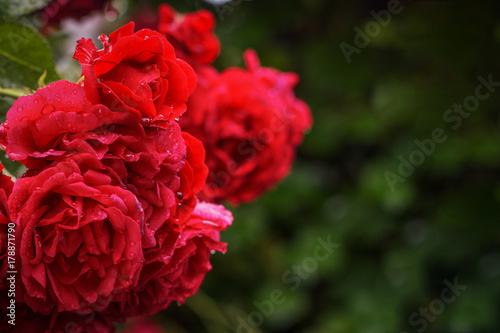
(58, 121)
(191, 34)
(80, 240)
(250, 123)
(136, 72)
(175, 269)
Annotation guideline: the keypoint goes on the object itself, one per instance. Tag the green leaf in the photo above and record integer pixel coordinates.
(9, 8)
(14, 168)
(24, 56)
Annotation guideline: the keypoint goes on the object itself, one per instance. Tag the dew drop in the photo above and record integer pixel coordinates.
(212, 251)
(20, 108)
(179, 195)
(48, 108)
(132, 243)
(176, 118)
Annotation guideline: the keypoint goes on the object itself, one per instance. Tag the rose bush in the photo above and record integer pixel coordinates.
(109, 223)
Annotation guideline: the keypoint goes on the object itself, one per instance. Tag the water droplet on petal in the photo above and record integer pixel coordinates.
(48, 108)
(179, 195)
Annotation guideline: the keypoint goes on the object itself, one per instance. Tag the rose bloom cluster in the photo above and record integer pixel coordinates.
(108, 223)
(117, 215)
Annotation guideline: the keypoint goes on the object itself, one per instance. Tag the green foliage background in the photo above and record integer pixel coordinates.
(396, 247)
